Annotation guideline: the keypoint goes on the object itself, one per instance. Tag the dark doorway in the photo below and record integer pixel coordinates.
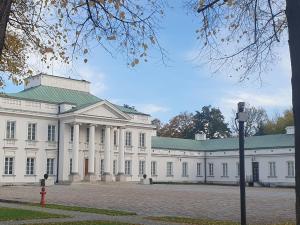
(86, 167)
(255, 171)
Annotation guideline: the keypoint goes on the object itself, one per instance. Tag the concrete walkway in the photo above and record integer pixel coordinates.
(264, 205)
(76, 216)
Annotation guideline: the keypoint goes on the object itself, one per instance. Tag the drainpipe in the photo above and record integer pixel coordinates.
(58, 137)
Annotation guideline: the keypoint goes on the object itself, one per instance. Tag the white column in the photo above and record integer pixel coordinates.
(75, 149)
(107, 151)
(91, 168)
(121, 152)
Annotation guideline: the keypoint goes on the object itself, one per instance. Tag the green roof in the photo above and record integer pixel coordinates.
(254, 142)
(62, 95)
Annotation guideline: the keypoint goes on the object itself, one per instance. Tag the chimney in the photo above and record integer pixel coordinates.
(200, 136)
(290, 130)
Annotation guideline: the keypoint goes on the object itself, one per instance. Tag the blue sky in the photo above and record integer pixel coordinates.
(184, 84)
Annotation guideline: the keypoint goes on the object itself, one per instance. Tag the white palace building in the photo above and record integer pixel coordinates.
(56, 126)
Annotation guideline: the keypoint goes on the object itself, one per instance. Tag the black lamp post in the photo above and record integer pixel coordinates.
(241, 116)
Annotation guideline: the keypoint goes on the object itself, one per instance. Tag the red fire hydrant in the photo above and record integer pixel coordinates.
(43, 199)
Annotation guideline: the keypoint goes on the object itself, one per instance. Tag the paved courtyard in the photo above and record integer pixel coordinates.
(264, 205)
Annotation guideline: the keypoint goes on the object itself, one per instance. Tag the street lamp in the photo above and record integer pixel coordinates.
(241, 117)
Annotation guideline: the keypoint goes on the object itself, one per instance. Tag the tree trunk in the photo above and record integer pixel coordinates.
(293, 19)
(5, 7)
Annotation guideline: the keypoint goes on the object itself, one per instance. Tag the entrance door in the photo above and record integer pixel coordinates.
(255, 171)
(86, 167)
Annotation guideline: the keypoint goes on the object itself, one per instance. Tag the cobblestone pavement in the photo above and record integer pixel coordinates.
(264, 205)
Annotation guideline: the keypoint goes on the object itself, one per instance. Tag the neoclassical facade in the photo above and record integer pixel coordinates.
(56, 126)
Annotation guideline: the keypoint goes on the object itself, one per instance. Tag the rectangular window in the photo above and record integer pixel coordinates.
(32, 131)
(153, 168)
(142, 140)
(102, 136)
(210, 169)
(9, 166)
(30, 166)
(10, 129)
(225, 169)
(114, 167)
(199, 174)
(50, 166)
(128, 167)
(128, 139)
(115, 137)
(169, 169)
(185, 169)
(142, 167)
(72, 133)
(102, 166)
(291, 168)
(51, 133)
(238, 169)
(87, 135)
(272, 169)
(71, 164)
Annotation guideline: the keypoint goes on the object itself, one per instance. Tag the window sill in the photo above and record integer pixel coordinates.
(272, 176)
(185, 176)
(30, 175)
(8, 175)
(290, 177)
(210, 176)
(225, 176)
(170, 176)
(154, 175)
(199, 176)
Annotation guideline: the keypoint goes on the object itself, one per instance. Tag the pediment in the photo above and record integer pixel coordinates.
(103, 109)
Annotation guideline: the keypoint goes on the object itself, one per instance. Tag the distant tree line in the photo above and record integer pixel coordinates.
(211, 121)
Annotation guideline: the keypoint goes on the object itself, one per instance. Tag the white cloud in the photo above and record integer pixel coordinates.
(152, 108)
(96, 78)
(280, 99)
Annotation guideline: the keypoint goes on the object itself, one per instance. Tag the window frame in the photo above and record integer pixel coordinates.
(128, 167)
(142, 167)
(10, 163)
(142, 140)
(153, 168)
(51, 133)
(9, 133)
(128, 139)
(199, 169)
(32, 133)
(30, 166)
(210, 170)
(224, 169)
(290, 171)
(169, 169)
(50, 166)
(272, 169)
(184, 168)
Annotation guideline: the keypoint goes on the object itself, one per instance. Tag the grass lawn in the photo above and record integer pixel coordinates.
(109, 212)
(89, 223)
(183, 220)
(24, 214)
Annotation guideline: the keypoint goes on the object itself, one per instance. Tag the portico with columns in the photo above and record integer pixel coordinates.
(96, 136)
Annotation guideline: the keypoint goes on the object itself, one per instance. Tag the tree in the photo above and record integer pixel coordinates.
(257, 117)
(210, 120)
(279, 123)
(158, 124)
(63, 30)
(179, 126)
(243, 35)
